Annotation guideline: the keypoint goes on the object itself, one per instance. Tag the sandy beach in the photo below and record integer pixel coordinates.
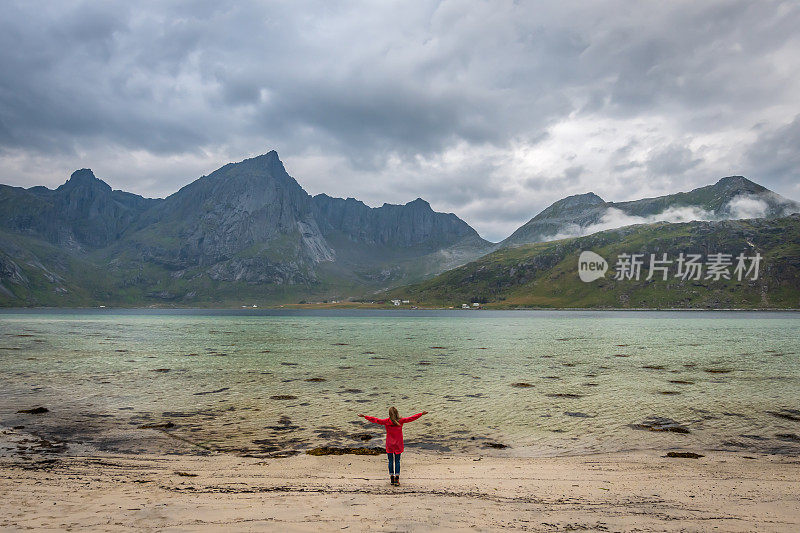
(47, 490)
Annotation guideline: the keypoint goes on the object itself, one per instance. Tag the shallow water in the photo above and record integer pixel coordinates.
(731, 378)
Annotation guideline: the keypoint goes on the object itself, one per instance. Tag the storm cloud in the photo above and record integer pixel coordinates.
(491, 110)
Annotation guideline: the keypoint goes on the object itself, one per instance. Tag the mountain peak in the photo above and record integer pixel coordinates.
(264, 166)
(572, 202)
(83, 176)
(419, 202)
(739, 182)
(270, 158)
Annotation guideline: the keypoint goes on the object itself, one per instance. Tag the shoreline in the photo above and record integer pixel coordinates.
(245, 311)
(642, 490)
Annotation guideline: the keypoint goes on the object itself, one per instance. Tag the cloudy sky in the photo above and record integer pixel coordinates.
(490, 110)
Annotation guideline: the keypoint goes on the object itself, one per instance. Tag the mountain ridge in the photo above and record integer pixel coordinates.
(249, 230)
(247, 224)
(586, 213)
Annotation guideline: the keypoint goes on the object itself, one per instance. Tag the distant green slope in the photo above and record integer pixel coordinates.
(546, 274)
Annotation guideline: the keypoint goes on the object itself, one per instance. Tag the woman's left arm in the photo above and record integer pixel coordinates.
(374, 420)
(412, 417)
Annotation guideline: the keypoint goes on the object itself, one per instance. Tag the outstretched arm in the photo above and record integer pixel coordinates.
(381, 421)
(412, 417)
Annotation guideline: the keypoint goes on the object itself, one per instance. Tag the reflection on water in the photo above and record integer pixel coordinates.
(539, 383)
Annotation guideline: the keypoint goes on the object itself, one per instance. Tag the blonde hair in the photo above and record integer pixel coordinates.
(394, 416)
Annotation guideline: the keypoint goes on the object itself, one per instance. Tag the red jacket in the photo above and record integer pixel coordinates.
(394, 434)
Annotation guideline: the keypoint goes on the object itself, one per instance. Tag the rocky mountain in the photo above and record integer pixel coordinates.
(247, 230)
(546, 274)
(82, 213)
(733, 197)
(396, 241)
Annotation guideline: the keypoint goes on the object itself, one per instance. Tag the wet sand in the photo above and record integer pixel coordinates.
(49, 489)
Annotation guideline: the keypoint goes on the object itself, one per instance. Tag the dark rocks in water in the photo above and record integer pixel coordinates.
(685, 455)
(564, 395)
(735, 444)
(160, 370)
(790, 437)
(786, 414)
(283, 397)
(315, 380)
(495, 445)
(340, 344)
(621, 355)
(681, 382)
(654, 367)
(334, 450)
(344, 367)
(551, 377)
(578, 414)
(284, 454)
(18, 427)
(267, 445)
(185, 474)
(289, 364)
(718, 370)
(669, 392)
(182, 414)
(351, 391)
(286, 427)
(753, 437)
(424, 363)
(727, 413)
(35, 411)
(223, 389)
(160, 425)
(190, 355)
(660, 423)
(521, 385)
(363, 436)
(438, 347)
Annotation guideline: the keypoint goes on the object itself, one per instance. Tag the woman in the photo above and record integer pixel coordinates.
(394, 438)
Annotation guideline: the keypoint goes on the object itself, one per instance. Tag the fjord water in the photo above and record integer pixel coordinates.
(539, 382)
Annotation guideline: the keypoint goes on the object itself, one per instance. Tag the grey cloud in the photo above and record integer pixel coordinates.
(166, 91)
(569, 177)
(671, 160)
(775, 155)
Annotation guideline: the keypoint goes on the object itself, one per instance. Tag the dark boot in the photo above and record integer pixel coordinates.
(393, 479)
(397, 479)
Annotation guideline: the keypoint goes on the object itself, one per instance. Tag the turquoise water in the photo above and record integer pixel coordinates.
(732, 379)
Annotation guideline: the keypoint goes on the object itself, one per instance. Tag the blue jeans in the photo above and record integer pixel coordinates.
(394, 464)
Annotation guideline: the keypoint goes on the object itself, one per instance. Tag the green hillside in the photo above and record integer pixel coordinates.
(546, 274)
